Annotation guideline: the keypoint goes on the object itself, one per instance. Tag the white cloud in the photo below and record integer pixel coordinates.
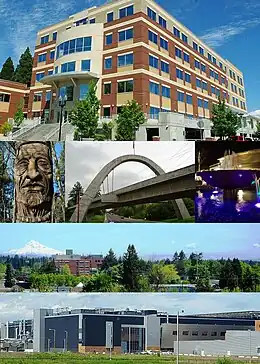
(191, 246)
(256, 245)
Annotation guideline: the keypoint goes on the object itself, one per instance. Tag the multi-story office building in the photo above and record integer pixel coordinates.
(132, 49)
(11, 95)
(133, 331)
(78, 264)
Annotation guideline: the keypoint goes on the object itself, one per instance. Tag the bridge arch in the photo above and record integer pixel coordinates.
(94, 186)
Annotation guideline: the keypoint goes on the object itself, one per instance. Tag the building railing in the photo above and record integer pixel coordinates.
(25, 129)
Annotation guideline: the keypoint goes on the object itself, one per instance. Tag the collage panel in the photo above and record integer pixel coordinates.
(32, 182)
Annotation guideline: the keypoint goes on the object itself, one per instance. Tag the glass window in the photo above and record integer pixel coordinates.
(213, 90)
(166, 92)
(129, 10)
(217, 91)
(198, 82)
(4, 97)
(188, 77)
(221, 65)
(83, 91)
(64, 67)
(50, 72)
(197, 64)
(154, 88)
(56, 69)
(200, 103)
(39, 76)
(209, 57)
(201, 50)
(151, 14)
(204, 85)
(189, 99)
(106, 111)
(165, 67)
(164, 43)
(87, 43)
(203, 67)
(186, 57)
(54, 36)
(110, 17)
(212, 73)
(72, 46)
(153, 37)
(214, 60)
(45, 39)
(85, 65)
(154, 111)
(216, 76)
(178, 52)
(176, 32)
(92, 21)
(37, 97)
(184, 38)
(71, 66)
(153, 61)
(125, 35)
(180, 96)
(162, 22)
(125, 86)
(107, 88)
(109, 39)
(79, 44)
(195, 46)
(65, 48)
(48, 95)
(108, 63)
(206, 104)
(179, 73)
(125, 60)
(52, 54)
(42, 58)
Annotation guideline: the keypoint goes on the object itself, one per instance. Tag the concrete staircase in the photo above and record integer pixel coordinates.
(46, 132)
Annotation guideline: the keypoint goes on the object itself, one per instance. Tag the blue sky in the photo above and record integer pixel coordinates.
(231, 27)
(151, 240)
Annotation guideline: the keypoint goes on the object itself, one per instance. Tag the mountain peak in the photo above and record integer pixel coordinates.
(34, 248)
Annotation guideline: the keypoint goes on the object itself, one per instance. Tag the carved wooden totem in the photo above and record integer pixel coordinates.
(33, 173)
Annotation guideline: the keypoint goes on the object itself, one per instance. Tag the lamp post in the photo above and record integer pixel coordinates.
(54, 338)
(66, 341)
(178, 313)
(62, 103)
(250, 350)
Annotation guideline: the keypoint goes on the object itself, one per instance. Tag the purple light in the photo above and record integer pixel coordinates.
(210, 176)
(215, 192)
(257, 205)
(240, 175)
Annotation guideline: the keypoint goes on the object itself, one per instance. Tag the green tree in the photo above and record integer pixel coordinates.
(131, 270)
(163, 274)
(9, 276)
(110, 260)
(129, 120)
(75, 193)
(6, 128)
(85, 114)
(48, 267)
(65, 269)
(23, 70)
(225, 121)
(7, 72)
(19, 116)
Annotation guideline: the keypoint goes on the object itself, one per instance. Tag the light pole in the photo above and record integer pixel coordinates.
(54, 338)
(66, 341)
(178, 313)
(62, 103)
(250, 352)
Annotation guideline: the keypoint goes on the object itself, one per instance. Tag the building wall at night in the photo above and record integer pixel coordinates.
(138, 51)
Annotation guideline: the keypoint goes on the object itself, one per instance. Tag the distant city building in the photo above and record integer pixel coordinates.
(79, 264)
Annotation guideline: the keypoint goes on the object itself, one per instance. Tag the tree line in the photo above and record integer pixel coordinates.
(131, 273)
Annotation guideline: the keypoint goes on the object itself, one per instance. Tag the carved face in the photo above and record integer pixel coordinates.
(33, 174)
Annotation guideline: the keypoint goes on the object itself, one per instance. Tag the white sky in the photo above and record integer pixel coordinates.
(85, 159)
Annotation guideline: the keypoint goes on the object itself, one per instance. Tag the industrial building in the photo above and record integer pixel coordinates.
(133, 331)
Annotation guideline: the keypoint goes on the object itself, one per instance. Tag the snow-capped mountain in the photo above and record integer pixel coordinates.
(34, 248)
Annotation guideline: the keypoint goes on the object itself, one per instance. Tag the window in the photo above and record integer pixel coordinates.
(203, 67)
(216, 76)
(125, 86)
(45, 39)
(218, 92)
(106, 111)
(224, 94)
(204, 85)
(214, 60)
(195, 333)
(223, 80)
(37, 97)
(54, 36)
(108, 63)
(179, 73)
(85, 65)
(107, 88)
(42, 58)
(222, 333)
(189, 99)
(4, 97)
(166, 92)
(68, 67)
(185, 333)
(154, 111)
(92, 21)
(178, 52)
(201, 50)
(52, 54)
(197, 64)
(212, 73)
(56, 69)
(200, 102)
(209, 57)
(204, 333)
(50, 72)
(162, 22)
(198, 82)
(109, 39)
(187, 77)
(153, 37)
(74, 45)
(184, 38)
(165, 67)
(125, 60)
(129, 10)
(180, 98)
(154, 88)
(206, 104)
(83, 91)
(174, 333)
(195, 46)
(164, 43)
(39, 76)
(213, 90)
(221, 65)
(48, 96)
(110, 17)
(176, 32)
(186, 57)
(214, 333)
(151, 14)
(125, 34)
(153, 62)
